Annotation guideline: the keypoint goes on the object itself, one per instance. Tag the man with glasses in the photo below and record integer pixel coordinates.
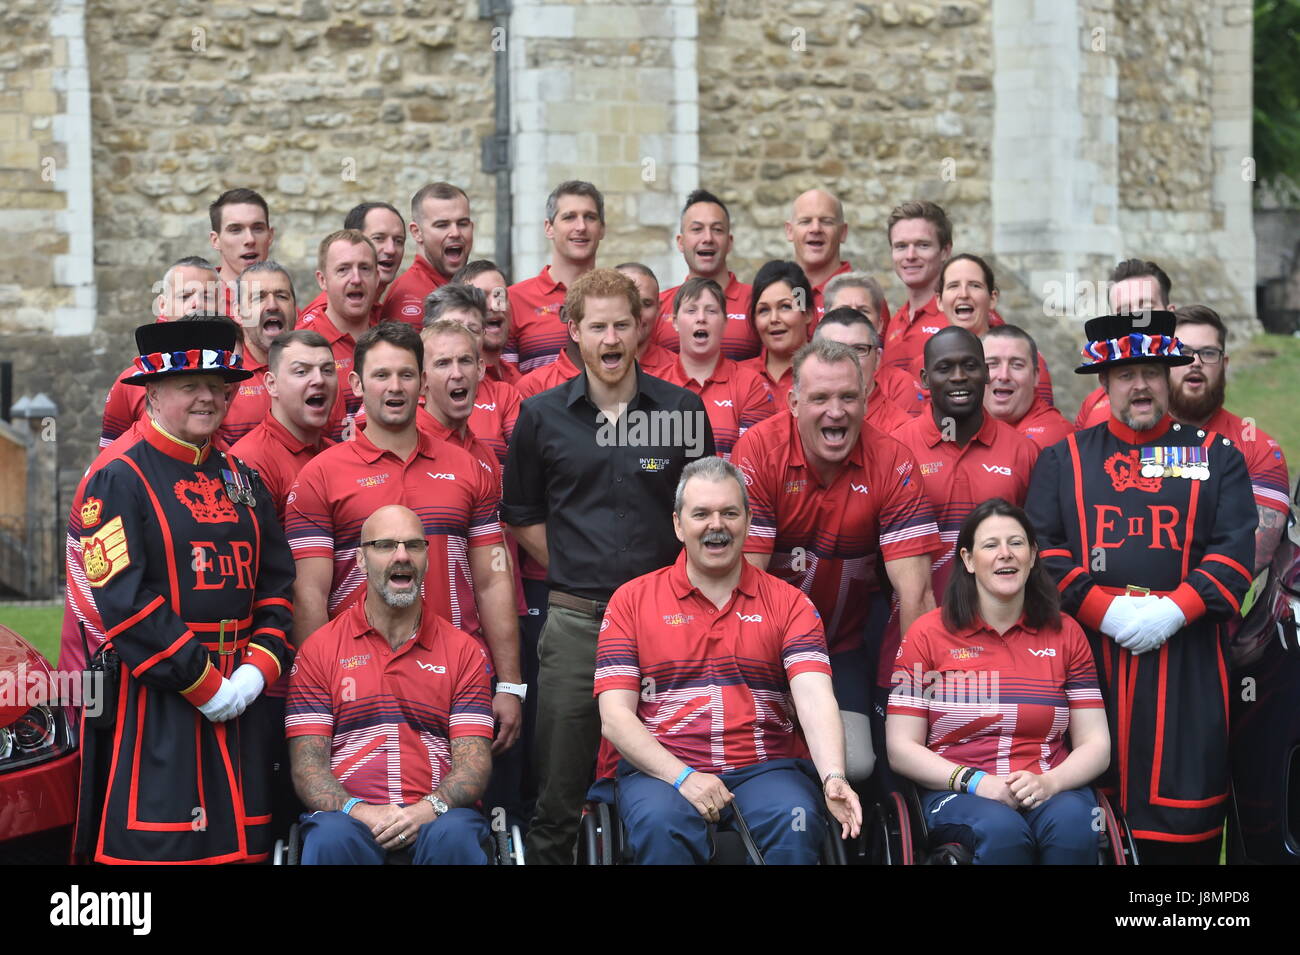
(851, 327)
(390, 718)
(1196, 399)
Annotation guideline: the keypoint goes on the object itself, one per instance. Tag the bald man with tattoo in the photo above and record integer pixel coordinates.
(389, 718)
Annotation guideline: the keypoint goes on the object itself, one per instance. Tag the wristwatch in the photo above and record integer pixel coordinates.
(440, 808)
(514, 689)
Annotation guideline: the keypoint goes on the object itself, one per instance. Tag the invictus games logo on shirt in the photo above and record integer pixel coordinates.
(373, 480)
(678, 619)
(351, 663)
(931, 467)
(794, 487)
(966, 653)
(654, 429)
(654, 465)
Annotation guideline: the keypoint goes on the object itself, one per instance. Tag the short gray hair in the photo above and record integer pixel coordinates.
(266, 265)
(452, 296)
(857, 280)
(710, 469)
(829, 352)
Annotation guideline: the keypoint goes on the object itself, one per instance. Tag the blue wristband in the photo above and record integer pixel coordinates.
(975, 781)
(347, 806)
(682, 778)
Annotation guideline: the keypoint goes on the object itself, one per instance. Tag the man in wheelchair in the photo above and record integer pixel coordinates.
(389, 718)
(714, 687)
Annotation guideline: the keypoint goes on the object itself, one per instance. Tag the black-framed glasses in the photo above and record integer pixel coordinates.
(1208, 356)
(386, 545)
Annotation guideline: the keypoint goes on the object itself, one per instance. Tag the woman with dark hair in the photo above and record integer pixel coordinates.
(781, 311)
(985, 689)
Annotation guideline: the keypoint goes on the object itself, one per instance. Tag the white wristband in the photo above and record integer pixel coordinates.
(514, 689)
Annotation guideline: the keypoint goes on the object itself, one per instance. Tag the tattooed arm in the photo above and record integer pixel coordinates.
(1272, 525)
(471, 765)
(316, 785)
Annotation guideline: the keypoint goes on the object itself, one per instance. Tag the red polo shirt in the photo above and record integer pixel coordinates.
(1269, 478)
(496, 409)
(739, 340)
(537, 335)
(906, 334)
(721, 678)
(1094, 410)
(656, 360)
(390, 714)
(996, 462)
(997, 702)
(123, 407)
(342, 344)
(277, 456)
(405, 301)
(504, 371)
(883, 415)
(780, 388)
(548, 376)
(819, 297)
(735, 398)
(828, 539)
(446, 486)
(250, 405)
(1043, 425)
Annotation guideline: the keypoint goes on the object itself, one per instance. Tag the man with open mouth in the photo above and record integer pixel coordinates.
(383, 225)
(486, 276)
(574, 225)
(1012, 395)
(705, 242)
(1147, 526)
(242, 236)
(268, 309)
(816, 230)
(836, 504)
(347, 271)
(443, 231)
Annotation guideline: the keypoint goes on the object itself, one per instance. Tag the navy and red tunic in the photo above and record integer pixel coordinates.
(186, 584)
(1103, 525)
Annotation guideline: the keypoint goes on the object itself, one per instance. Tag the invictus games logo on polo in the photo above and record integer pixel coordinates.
(654, 429)
(967, 687)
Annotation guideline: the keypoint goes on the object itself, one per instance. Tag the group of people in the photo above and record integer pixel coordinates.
(435, 552)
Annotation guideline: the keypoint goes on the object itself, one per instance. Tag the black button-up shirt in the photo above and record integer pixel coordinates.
(604, 491)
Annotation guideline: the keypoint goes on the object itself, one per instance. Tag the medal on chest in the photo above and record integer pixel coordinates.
(237, 487)
(1188, 463)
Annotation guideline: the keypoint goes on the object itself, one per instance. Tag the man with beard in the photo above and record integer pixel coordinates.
(1147, 527)
(1196, 399)
(347, 270)
(705, 242)
(242, 236)
(837, 506)
(268, 309)
(383, 225)
(189, 287)
(588, 480)
(771, 740)
(575, 224)
(815, 230)
(1012, 395)
(486, 276)
(387, 671)
(444, 237)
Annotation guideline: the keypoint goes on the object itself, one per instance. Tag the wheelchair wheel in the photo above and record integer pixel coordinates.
(891, 832)
(596, 835)
(294, 850)
(1117, 846)
(501, 841)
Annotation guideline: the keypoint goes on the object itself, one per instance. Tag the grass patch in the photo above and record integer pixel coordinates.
(1264, 384)
(39, 626)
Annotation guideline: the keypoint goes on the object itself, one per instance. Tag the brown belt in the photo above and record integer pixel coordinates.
(592, 608)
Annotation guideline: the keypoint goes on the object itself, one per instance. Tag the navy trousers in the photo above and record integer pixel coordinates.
(459, 837)
(782, 806)
(1061, 831)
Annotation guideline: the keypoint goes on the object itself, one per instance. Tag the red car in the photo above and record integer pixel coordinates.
(39, 762)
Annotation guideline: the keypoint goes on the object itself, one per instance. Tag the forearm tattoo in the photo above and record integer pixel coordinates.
(314, 781)
(471, 765)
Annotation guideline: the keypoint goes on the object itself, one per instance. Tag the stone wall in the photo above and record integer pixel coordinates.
(878, 102)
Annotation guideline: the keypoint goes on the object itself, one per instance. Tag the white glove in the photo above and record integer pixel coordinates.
(1152, 626)
(1123, 610)
(226, 703)
(248, 682)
